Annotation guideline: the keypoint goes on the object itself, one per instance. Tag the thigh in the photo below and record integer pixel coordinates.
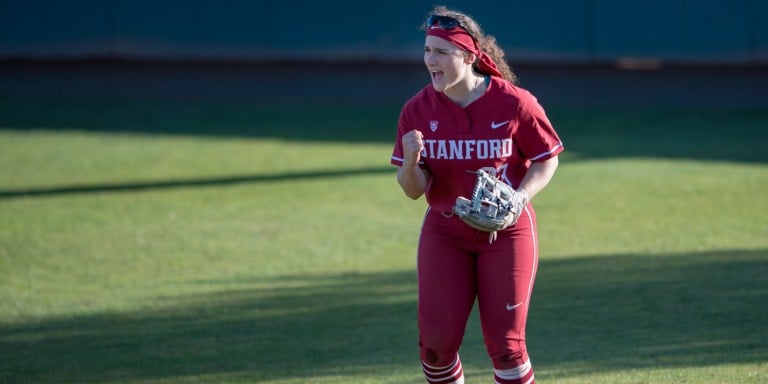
(506, 272)
(446, 281)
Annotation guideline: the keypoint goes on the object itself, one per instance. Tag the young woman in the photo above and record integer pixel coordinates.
(472, 116)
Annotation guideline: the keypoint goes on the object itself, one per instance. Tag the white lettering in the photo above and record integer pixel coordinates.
(482, 149)
(431, 145)
(469, 147)
(495, 150)
(506, 146)
(456, 150)
(442, 151)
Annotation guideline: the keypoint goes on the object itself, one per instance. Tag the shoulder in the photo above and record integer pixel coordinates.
(424, 95)
(420, 101)
(519, 98)
(511, 92)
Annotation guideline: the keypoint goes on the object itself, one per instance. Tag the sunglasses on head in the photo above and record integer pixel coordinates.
(444, 22)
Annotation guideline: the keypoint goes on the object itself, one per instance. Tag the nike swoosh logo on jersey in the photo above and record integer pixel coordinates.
(511, 307)
(494, 125)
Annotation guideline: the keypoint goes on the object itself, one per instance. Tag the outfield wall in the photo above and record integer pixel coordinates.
(547, 31)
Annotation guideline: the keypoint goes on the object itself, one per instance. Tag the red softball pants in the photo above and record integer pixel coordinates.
(456, 264)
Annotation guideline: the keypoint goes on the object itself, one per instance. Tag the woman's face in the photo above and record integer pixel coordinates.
(447, 64)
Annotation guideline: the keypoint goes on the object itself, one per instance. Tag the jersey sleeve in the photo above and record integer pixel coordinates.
(397, 151)
(403, 126)
(536, 139)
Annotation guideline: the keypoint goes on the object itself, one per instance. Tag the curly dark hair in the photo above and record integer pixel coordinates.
(486, 43)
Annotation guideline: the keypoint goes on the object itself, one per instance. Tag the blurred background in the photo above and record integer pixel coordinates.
(709, 51)
(560, 31)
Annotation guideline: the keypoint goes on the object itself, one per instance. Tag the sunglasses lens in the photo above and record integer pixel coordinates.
(443, 22)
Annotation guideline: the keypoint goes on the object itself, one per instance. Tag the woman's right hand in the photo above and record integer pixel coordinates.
(413, 144)
(412, 178)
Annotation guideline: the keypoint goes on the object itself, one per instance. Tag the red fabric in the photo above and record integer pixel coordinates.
(506, 129)
(449, 374)
(456, 268)
(462, 39)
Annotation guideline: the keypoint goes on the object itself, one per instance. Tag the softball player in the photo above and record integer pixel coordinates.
(472, 116)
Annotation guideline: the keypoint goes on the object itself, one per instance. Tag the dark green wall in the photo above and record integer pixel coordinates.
(705, 31)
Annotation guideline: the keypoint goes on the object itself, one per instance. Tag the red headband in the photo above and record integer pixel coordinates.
(461, 38)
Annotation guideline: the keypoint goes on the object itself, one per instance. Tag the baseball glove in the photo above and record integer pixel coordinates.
(493, 206)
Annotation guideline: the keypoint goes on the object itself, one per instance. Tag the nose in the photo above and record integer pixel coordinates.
(429, 58)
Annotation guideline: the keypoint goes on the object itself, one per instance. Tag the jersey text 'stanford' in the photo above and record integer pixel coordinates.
(467, 149)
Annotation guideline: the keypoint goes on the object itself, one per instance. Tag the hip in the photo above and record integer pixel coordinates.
(443, 223)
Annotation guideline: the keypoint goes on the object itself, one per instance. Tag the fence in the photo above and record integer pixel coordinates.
(559, 31)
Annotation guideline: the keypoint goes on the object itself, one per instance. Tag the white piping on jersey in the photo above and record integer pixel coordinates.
(547, 153)
(535, 264)
(401, 160)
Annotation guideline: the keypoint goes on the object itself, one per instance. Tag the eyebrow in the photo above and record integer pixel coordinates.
(441, 49)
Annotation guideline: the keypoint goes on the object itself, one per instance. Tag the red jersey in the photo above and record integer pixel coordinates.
(505, 129)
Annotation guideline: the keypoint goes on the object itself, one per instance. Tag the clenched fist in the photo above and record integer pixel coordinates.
(413, 144)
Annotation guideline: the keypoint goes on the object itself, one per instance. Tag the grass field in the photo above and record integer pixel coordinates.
(169, 242)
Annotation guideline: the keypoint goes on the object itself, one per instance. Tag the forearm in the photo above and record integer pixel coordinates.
(538, 176)
(413, 180)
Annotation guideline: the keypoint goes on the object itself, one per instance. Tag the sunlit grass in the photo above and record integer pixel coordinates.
(274, 251)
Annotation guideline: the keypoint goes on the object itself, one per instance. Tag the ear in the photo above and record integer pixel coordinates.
(470, 58)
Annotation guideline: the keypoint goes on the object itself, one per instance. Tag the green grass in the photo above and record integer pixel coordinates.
(169, 242)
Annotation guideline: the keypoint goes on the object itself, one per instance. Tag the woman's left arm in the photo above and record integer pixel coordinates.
(538, 176)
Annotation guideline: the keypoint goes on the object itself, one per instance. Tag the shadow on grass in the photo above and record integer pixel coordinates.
(629, 311)
(589, 314)
(331, 121)
(186, 183)
(690, 134)
(725, 134)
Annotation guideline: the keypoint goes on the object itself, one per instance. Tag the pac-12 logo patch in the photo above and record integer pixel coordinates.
(433, 125)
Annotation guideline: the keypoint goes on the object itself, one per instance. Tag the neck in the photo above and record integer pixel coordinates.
(468, 91)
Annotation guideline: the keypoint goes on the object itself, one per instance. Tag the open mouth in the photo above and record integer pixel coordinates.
(437, 75)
